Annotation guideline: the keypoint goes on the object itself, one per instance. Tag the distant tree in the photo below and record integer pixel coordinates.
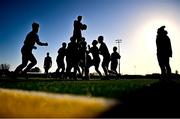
(4, 69)
(35, 69)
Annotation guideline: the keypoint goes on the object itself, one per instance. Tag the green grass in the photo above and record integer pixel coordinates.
(97, 88)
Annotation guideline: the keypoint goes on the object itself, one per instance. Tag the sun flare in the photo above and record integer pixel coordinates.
(147, 39)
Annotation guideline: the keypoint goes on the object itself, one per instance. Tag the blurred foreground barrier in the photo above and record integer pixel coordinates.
(18, 103)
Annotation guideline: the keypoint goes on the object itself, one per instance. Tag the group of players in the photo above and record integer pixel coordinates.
(77, 54)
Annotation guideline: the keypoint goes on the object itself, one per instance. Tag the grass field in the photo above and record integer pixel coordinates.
(92, 98)
(98, 88)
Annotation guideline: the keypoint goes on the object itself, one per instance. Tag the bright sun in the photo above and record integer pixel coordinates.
(144, 44)
(149, 32)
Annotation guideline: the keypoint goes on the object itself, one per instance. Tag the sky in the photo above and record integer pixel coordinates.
(135, 22)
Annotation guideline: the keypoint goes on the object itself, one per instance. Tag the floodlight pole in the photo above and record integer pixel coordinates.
(118, 41)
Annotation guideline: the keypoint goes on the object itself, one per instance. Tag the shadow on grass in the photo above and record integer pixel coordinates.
(161, 99)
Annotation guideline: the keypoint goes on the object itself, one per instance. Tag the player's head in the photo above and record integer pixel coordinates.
(161, 30)
(72, 39)
(94, 43)
(79, 18)
(114, 48)
(64, 45)
(100, 39)
(35, 27)
(47, 53)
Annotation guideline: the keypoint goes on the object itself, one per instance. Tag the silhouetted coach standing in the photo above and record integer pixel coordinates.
(164, 51)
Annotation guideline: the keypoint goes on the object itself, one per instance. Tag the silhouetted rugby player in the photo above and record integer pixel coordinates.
(71, 57)
(114, 59)
(95, 53)
(82, 54)
(60, 58)
(78, 26)
(164, 51)
(47, 63)
(103, 50)
(27, 48)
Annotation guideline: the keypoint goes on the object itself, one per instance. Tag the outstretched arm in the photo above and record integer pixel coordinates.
(41, 44)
